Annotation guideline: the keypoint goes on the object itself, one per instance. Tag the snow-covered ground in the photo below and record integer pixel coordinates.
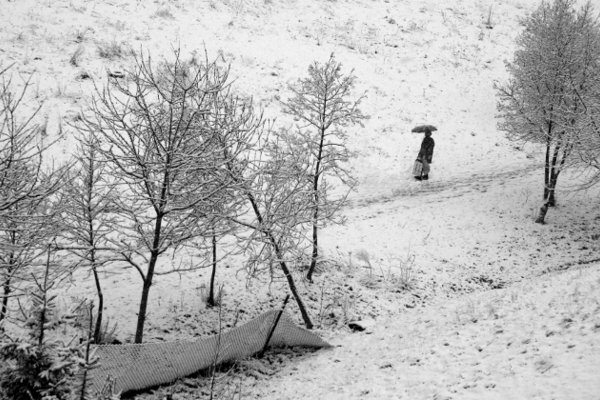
(497, 306)
(537, 339)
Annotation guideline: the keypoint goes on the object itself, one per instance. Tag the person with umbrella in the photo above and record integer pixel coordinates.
(425, 157)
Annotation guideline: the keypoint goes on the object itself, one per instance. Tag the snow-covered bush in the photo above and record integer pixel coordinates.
(36, 367)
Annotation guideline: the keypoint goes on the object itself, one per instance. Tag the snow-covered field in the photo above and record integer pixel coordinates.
(498, 307)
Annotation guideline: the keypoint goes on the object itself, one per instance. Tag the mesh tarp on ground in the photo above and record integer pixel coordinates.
(141, 366)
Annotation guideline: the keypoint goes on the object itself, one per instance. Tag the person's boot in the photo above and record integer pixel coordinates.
(418, 178)
(425, 177)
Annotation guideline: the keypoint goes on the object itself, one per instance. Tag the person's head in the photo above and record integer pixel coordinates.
(427, 132)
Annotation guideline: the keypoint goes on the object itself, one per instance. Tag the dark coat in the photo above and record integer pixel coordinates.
(426, 151)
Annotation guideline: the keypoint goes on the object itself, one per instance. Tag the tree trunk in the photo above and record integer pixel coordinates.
(139, 331)
(544, 209)
(315, 244)
(92, 254)
(542, 214)
(4, 309)
(315, 234)
(550, 199)
(9, 271)
(305, 317)
(553, 174)
(44, 310)
(552, 191)
(547, 168)
(211, 295)
(290, 279)
(98, 327)
(154, 253)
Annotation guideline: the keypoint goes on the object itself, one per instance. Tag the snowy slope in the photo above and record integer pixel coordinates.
(477, 253)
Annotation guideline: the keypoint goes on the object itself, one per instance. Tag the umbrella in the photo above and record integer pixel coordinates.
(423, 128)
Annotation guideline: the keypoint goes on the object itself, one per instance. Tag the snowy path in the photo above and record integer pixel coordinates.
(448, 188)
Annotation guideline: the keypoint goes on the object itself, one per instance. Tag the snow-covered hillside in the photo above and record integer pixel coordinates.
(498, 307)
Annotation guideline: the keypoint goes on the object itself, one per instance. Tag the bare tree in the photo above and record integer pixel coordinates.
(160, 151)
(261, 199)
(235, 125)
(589, 151)
(21, 148)
(88, 199)
(22, 236)
(26, 184)
(282, 207)
(322, 103)
(586, 85)
(541, 101)
(279, 207)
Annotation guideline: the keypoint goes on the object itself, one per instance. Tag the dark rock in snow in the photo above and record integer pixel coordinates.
(362, 326)
(356, 326)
